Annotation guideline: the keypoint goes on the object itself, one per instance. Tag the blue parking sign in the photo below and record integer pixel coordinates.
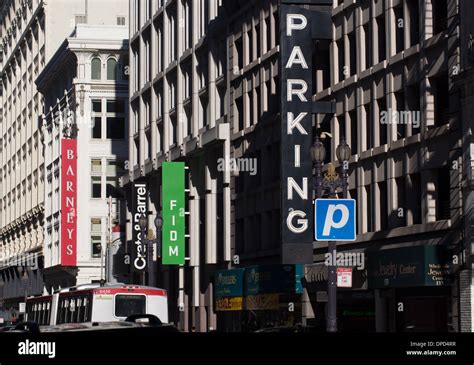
(335, 219)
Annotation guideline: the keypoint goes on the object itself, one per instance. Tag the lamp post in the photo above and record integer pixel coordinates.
(329, 183)
(25, 280)
(149, 242)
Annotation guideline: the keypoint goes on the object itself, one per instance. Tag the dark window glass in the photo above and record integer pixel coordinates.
(97, 128)
(96, 246)
(96, 187)
(115, 106)
(115, 128)
(127, 305)
(96, 106)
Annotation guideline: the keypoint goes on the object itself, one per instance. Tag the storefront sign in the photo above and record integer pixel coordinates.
(139, 249)
(229, 283)
(229, 289)
(409, 267)
(68, 202)
(173, 213)
(229, 304)
(262, 302)
(265, 279)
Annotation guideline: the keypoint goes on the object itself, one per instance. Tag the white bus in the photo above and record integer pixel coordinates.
(95, 303)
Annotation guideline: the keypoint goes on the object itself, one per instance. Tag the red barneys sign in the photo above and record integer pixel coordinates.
(68, 202)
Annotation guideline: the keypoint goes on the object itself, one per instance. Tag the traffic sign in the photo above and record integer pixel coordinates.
(335, 219)
(344, 277)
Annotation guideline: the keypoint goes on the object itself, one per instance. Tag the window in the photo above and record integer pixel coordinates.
(443, 196)
(401, 202)
(239, 53)
(80, 19)
(381, 36)
(97, 120)
(440, 16)
(128, 305)
(354, 127)
(352, 52)
(340, 57)
(120, 20)
(115, 119)
(440, 89)
(401, 122)
(96, 68)
(368, 45)
(399, 26)
(383, 204)
(96, 179)
(96, 237)
(112, 69)
(114, 170)
(416, 197)
(414, 11)
(369, 126)
(382, 105)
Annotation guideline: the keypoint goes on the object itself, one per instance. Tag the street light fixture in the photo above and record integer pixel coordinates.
(330, 182)
(150, 242)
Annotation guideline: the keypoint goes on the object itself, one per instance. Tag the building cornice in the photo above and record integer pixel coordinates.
(29, 217)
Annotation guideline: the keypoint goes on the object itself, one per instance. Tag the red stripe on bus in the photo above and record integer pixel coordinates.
(103, 291)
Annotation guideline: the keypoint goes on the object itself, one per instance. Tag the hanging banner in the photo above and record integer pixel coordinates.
(139, 259)
(297, 135)
(300, 25)
(68, 202)
(173, 251)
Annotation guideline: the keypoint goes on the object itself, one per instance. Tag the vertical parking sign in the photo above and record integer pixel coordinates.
(173, 251)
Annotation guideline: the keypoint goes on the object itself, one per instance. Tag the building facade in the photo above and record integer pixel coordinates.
(205, 89)
(398, 107)
(85, 86)
(31, 33)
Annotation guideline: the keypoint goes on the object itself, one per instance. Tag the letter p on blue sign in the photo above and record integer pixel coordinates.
(335, 219)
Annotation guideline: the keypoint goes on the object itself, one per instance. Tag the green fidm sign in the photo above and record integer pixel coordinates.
(173, 213)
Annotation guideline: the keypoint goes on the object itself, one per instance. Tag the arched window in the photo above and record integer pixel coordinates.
(111, 69)
(96, 66)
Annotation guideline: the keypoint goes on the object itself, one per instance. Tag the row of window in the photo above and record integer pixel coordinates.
(75, 309)
(377, 30)
(39, 312)
(115, 70)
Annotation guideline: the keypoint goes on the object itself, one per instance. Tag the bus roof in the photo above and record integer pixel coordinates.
(92, 286)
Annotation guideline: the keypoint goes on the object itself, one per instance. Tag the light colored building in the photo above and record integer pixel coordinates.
(31, 31)
(85, 85)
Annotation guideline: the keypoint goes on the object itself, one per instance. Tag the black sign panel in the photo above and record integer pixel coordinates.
(296, 134)
(140, 207)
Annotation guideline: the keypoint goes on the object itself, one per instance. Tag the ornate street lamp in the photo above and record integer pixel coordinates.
(330, 182)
